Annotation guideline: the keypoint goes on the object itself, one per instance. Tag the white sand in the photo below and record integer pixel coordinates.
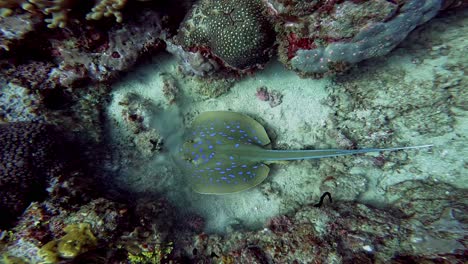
(298, 122)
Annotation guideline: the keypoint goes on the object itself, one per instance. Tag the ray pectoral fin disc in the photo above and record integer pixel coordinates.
(225, 181)
(213, 168)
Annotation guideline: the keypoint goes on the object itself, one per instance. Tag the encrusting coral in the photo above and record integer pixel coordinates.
(78, 239)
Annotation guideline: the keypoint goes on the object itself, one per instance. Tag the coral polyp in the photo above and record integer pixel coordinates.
(238, 32)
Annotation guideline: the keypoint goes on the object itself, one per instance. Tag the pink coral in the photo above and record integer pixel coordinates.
(274, 97)
(262, 94)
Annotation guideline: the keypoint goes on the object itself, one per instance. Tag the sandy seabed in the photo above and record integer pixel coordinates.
(413, 96)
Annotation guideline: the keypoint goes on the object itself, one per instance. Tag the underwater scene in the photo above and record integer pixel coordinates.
(233, 131)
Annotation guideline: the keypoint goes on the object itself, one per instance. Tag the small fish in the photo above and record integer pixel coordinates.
(225, 152)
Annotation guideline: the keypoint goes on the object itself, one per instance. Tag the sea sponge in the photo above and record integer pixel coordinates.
(351, 31)
(239, 32)
(27, 160)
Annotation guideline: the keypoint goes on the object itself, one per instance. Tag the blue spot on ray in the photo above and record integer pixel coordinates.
(232, 135)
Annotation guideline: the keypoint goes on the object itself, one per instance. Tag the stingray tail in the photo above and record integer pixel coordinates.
(277, 155)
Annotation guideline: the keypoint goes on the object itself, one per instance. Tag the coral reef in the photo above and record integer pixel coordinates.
(52, 232)
(97, 55)
(170, 89)
(193, 62)
(18, 104)
(77, 240)
(136, 113)
(81, 52)
(56, 13)
(340, 233)
(328, 37)
(419, 215)
(239, 33)
(158, 255)
(62, 76)
(29, 159)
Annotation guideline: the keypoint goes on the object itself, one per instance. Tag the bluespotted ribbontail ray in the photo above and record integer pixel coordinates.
(224, 152)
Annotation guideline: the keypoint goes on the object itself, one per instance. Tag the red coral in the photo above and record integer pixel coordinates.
(296, 43)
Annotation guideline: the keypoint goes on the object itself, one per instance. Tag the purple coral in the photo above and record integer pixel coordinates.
(262, 94)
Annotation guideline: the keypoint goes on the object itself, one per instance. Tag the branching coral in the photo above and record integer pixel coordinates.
(57, 10)
(107, 8)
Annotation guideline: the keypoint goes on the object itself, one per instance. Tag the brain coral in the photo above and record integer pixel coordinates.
(237, 31)
(27, 160)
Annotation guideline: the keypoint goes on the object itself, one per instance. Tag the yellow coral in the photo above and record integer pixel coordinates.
(153, 257)
(107, 8)
(78, 239)
(59, 9)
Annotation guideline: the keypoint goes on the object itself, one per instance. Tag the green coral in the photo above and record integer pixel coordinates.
(155, 256)
(237, 31)
(77, 240)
